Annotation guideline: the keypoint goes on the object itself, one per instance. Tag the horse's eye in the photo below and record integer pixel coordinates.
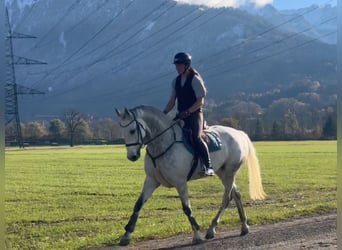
(132, 131)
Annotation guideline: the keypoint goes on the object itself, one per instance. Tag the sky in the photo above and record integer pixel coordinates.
(278, 4)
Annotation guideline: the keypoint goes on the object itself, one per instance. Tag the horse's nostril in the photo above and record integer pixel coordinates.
(133, 157)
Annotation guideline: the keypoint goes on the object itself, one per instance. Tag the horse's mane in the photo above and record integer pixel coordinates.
(148, 108)
(152, 111)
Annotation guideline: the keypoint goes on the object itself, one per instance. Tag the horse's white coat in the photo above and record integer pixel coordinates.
(170, 169)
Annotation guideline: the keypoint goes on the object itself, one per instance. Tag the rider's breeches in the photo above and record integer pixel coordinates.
(195, 123)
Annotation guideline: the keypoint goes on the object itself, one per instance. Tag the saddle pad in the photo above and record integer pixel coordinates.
(214, 141)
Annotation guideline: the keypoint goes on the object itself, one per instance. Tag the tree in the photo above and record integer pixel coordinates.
(329, 128)
(34, 131)
(56, 129)
(277, 131)
(259, 130)
(11, 132)
(84, 131)
(73, 122)
(105, 129)
(246, 113)
(230, 122)
(291, 125)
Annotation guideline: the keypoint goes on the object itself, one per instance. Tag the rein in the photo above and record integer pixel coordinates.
(164, 131)
(154, 158)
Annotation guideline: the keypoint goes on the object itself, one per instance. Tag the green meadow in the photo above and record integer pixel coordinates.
(74, 198)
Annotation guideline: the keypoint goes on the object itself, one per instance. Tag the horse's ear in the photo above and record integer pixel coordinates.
(127, 111)
(123, 114)
(118, 112)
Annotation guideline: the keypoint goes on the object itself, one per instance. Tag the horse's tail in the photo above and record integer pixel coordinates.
(256, 190)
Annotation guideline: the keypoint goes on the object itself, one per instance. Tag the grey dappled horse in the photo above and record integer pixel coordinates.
(168, 163)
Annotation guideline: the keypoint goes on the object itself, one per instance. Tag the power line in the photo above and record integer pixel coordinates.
(73, 27)
(22, 20)
(277, 42)
(84, 44)
(82, 20)
(262, 33)
(153, 89)
(130, 61)
(67, 31)
(60, 20)
(106, 54)
(136, 55)
(158, 88)
(269, 56)
(100, 58)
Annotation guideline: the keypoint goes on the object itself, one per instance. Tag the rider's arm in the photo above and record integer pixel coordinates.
(197, 105)
(200, 92)
(170, 104)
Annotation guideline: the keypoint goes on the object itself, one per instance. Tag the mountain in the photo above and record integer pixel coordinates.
(314, 21)
(106, 54)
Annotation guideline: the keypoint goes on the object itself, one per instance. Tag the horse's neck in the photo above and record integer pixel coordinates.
(160, 130)
(155, 123)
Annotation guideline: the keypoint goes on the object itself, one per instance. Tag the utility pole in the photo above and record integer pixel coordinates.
(12, 89)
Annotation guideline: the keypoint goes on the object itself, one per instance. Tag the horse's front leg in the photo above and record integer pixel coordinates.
(183, 194)
(150, 185)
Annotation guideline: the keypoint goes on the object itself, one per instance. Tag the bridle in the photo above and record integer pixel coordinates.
(141, 142)
(139, 126)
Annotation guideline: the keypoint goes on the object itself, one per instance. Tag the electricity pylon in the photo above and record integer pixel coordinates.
(12, 89)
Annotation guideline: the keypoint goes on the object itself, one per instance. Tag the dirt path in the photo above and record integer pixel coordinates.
(315, 232)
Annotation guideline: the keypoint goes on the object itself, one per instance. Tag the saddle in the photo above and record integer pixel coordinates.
(211, 138)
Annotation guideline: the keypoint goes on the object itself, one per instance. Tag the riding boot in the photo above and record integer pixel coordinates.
(208, 170)
(203, 152)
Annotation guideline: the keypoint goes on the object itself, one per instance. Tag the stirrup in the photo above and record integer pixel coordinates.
(209, 172)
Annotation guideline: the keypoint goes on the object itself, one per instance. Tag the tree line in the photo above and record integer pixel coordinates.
(288, 127)
(73, 127)
(303, 110)
(285, 120)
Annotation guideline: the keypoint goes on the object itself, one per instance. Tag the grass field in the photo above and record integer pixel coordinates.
(74, 198)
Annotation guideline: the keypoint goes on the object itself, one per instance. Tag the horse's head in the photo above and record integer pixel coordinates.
(133, 132)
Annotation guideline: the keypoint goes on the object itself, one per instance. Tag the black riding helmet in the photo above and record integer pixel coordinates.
(182, 58)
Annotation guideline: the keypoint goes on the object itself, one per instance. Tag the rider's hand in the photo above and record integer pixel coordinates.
(185, 114)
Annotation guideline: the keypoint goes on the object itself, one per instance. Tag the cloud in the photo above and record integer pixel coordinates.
(62, 39)
(226, 3)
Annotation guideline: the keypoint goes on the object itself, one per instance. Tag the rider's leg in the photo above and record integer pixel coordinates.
(195, 123)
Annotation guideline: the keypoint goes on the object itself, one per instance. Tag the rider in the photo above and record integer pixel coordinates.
(189, 90)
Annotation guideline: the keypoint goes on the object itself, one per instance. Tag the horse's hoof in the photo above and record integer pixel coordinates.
(197, 241)
(124, 242)
(244, 230)
(210, 234)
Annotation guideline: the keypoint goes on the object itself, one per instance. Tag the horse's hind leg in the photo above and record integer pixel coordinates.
(149, 186)
(228, 184)
(183, 194)
(237, 198)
